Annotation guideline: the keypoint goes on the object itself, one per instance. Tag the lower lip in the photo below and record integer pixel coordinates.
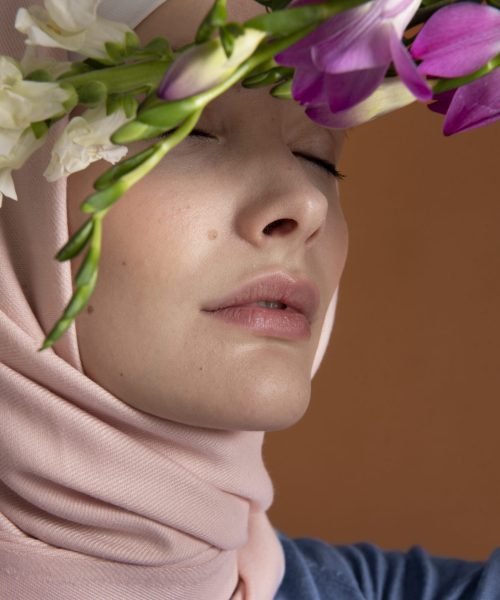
(280, 323)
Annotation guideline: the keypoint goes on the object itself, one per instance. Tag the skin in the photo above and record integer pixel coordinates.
(191, 232)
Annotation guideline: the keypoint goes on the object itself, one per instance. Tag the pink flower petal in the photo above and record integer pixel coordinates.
(442, 103)
(344, 90)
(458, 40)
(400, 13)
(307, 86)
(368, 50)
(407, 69)
(295, 56)
(328, 32)
(474, 105)
(391, 95)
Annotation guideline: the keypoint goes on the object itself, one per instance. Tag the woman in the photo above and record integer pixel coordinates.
(131, 455)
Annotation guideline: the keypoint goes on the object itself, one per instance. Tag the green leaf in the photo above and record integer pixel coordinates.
(133, 131)
(78, 302)
(283, 91)
(159, 47)
(228, 33)
(227, 40)
(267, 77)
(127, 103)
(92, 93)
(80, 298)
(215, 18)
(95, 64)
(55, 333)
(87, 268)
(132, 42)
(72, 100)
(39, 75)
(168, 114)
(151, 101)
(77, 68)
(39, 129)
(111, 176)
(103, 198)
(130, 105)
(116, 52)
(284, 22)
(76, 242)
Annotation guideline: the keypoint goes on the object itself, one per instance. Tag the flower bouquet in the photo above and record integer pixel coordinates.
(345, 61)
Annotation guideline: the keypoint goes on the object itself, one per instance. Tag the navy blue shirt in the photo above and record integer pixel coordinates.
(316, 570)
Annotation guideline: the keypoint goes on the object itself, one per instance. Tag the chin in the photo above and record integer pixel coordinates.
(269, 399)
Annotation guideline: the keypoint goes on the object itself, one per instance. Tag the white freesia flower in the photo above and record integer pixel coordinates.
(26, 102)
(15, 149)
(392, 94)
(71, 24)
(32, 62)
(85, 140)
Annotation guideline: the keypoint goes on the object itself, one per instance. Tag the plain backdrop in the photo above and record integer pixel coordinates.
(401, 443)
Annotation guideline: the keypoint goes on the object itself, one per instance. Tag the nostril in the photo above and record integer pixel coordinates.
(282, 227)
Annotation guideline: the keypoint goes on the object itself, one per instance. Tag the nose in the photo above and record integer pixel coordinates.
(282, 206)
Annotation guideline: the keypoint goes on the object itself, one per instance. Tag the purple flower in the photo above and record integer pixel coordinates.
(345, 59)
(390, 95)
(456, 41)
(473, 105)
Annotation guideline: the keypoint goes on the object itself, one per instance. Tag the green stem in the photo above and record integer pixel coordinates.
(82, 292)
(106, 197)
(266, 52)
(288, 21)
(161, 148)
(124, 78)
(444, 85)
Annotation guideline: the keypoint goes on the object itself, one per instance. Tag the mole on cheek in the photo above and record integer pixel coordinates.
(212, 234)
(90, 309)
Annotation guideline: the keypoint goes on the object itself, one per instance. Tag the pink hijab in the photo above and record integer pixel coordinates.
(98, 499)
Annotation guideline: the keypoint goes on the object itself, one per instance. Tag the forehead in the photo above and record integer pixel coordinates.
(178, 21)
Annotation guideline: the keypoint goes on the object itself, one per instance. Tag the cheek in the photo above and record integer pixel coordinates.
(165, 230)
(336, 239)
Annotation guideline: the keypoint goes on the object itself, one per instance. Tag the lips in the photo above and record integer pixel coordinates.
(298, 294)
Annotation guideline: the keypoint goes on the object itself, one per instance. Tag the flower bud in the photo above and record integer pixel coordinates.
(205, 65)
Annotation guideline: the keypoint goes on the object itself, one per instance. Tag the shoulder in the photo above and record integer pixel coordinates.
(316, 570)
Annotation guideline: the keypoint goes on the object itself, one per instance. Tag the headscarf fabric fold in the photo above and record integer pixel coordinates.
(98, 499)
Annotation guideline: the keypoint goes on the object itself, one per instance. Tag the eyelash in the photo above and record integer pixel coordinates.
(327, 166)
(323, 164)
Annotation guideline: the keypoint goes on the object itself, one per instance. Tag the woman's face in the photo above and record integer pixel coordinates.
(212, 216)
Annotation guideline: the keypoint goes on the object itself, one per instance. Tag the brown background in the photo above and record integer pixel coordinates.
(401, 443)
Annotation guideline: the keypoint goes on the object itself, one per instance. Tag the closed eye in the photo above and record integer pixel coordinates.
(324, 164)
(319, 162)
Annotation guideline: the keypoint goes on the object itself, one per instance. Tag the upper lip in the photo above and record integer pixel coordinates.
(296, 292)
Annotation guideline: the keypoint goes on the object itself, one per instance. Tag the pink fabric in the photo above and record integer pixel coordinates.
(97, 499)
